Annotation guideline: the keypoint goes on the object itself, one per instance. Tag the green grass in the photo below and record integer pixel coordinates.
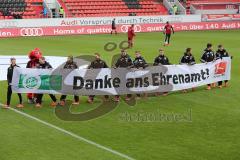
(213, 133)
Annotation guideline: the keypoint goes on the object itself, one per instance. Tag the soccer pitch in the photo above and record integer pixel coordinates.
(210, 131)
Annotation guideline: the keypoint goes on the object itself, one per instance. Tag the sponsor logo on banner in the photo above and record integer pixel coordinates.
(31, 32)
(137, 28)
(220, 68)
(8, 24)
(175, 19)
(42, 82)
(31, 82)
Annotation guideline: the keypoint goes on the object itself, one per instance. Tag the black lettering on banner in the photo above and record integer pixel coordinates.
(168, 78)
(155, 80)
(107, 82)
(75, 80)
(162, 79)
(175, 79)
(195, 77)
(130, 83)
(181, 78)
(89, 84)
(187, 78)
(146, 82)
(138, 82)
(116, 82)
(99, 82)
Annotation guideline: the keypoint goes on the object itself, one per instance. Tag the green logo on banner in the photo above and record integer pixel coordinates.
(41, 82)
(31, 82)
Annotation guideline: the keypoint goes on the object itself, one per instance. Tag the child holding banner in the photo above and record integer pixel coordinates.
(70, 64)
(208, 56)
(9, 79)
(139, 63)
(97, 63)
(220, 53)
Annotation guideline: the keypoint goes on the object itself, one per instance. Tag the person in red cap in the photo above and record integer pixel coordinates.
(131, 35)
(34, 56)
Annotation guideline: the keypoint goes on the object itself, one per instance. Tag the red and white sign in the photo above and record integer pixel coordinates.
(220, 17)
(220, 68)
(96, 21)
(106, 29)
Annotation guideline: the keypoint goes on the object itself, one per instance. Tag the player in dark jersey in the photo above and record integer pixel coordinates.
(131, 35)
(123, 62)
(208, 56)
(97, 63)
(220, 53)
(70, 64)
(139, 63)
(9, 80)
(188, 59)
(43, 64)
(168, 30)
(161, 59)
(114, 28)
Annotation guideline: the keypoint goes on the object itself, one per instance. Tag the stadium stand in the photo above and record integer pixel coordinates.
(100, 8)
(18, 9)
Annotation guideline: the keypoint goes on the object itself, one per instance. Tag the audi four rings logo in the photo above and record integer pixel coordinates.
(8, 24)
(31, 32)
(137, 28)
(175, 19)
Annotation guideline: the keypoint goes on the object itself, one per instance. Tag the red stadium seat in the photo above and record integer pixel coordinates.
(100, 8)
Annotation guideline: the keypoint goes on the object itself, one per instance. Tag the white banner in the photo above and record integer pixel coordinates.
(95, 21)
(109, 81)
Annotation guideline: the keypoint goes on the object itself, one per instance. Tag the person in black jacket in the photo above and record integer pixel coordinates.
(188, 58)
(9, 79)
(139, 63)
(114, 28)
(161, 59)
(208, 56)
(97, 63)
(123, 62)
(220, 53)
(43, 64)
(70, 64)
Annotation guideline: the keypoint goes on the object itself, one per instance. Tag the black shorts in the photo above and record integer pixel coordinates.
(113, 28)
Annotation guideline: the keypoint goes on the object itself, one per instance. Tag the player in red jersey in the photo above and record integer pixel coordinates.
(131, 34)
(168, 30)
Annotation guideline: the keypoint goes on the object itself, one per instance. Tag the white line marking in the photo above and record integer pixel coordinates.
(71, 134)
